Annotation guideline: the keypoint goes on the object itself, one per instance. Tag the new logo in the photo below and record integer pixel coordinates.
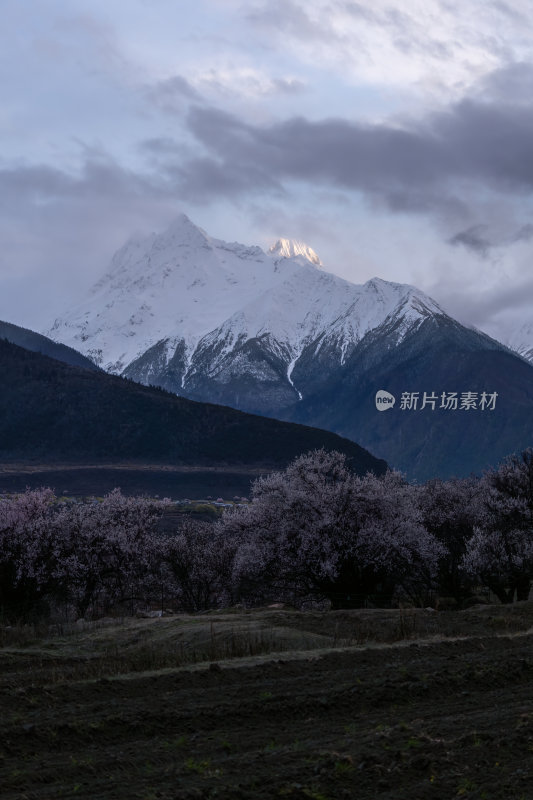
(384, 400)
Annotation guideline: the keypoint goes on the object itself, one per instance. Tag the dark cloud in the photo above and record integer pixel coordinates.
(512, 84)
(35, 183)
(416, 168)
(45, 187)
(204, 179)
(481, 239)
(473, 238)
(333, 151)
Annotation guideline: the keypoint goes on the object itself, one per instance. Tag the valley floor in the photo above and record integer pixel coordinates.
(392, 705)
(133, 479)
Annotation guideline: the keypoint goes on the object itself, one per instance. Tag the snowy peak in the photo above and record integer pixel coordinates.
(182, 233)
(288, 248)
(522, 341)
(180, 308)
(402, 297)
(143, 256)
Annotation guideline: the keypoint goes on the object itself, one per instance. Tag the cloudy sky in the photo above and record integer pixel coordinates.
(395, 138)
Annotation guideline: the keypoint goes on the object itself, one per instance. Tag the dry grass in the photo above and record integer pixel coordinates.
(91, 650)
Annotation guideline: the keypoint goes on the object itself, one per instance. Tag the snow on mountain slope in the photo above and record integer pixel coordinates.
(522, 341)
(287, 248)
(311, 306)
(204, 317)
(180, 282)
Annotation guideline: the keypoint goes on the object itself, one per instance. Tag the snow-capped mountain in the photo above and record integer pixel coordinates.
(180, 285)
(522, 341)
(277, 334)
(220, 321)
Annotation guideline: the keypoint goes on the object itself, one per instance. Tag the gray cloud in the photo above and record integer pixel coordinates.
(58, 231)
(512, 84)
(482, 238)
(473, 238)
(172, 95)
(288, 85)
(161, 146)
(506, 299)
(33, 184)
(489, 307)
(204, 179)
(418, 168)
(333, 151)
(253, 84)
(407, 32)
(508, 11)
(43, 186)
(361, 11)
(290, 17)
(524, 234)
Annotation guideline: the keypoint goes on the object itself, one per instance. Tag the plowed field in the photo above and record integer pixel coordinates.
(265, 704)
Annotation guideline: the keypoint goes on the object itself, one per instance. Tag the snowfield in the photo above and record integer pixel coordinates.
(186, 291)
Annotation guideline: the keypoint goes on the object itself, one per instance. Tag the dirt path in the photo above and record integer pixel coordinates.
(410, 721)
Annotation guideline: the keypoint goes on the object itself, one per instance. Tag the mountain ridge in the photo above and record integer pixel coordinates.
(192, 299)
(280, 336)
(31, 340)
(53, 412)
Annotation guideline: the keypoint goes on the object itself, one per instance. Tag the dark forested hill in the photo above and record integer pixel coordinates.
(42, 344)
(51, 412)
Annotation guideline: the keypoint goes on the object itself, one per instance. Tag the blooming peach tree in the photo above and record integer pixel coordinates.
(28, 558)
(316, 529)
(500, 552)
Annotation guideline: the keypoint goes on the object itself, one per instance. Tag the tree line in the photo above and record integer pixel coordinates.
(312, 532)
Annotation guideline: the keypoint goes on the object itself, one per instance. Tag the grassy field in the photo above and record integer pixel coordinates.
(396, 705)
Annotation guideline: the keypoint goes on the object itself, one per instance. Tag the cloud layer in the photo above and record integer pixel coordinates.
(396, 136)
